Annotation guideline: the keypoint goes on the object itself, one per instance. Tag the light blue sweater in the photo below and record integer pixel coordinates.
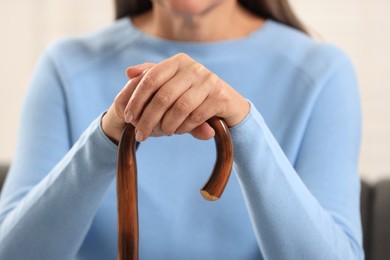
(294, 192)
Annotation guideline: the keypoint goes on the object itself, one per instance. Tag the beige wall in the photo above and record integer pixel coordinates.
(360, 27)
(26, 28)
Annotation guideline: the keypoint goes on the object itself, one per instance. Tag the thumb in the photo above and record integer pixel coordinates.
(203, 132)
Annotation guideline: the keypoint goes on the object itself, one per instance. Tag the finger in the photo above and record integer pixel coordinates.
(160, 103)
(136, 70)
(153, 79)
(203, 132)
(184, 105)
(124, 95)
(201, 114)
(157, 131)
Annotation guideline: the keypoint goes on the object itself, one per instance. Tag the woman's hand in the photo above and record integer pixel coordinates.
(175, 96)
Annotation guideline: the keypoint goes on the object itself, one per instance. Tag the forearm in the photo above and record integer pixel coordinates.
(288, 220)
(50, 222)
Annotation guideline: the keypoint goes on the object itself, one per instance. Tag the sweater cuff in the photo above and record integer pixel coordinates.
(248, 135)
(99, 147)
(250, 123)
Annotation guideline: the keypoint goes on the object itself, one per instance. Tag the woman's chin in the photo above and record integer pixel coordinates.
(189, 7)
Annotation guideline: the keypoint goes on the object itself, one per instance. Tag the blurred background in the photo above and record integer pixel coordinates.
(360, 27)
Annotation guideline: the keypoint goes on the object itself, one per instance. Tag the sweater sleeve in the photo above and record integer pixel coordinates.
(53, 189)
(307, 209)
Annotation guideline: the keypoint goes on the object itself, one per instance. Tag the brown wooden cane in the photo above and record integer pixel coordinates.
(127, 194)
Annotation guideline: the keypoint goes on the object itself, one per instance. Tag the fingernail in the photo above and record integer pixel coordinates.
(139, 136)
(129, 117)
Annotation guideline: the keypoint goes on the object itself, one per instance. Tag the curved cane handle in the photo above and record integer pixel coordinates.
(127, 194)
(215, 185)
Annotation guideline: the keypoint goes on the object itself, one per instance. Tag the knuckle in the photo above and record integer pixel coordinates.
(216, 86)
(182, 107)
(132, 105)
(162, 98)
(196, 118)
(157, 131)
(167, 131)
(198, 69)
(117, 99)
(167, 128)
(148, 81)
(182, 56)
(214, 80)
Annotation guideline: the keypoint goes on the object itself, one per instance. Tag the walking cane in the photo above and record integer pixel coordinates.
(127, 194)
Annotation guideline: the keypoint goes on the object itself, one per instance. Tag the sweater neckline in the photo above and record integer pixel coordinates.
(255, 36)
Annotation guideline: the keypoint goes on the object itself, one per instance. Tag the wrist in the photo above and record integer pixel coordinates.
(112, 129)
(241, 108)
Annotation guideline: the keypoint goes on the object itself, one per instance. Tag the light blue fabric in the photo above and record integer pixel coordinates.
(294, 192)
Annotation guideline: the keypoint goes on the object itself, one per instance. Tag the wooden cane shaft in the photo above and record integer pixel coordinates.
(127, 193)
(127, 196)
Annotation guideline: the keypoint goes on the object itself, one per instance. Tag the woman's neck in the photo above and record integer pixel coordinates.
(226, 21)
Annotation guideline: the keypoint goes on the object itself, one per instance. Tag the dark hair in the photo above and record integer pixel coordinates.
(278, 10)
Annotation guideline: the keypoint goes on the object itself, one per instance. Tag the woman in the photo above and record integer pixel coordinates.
(291, 104)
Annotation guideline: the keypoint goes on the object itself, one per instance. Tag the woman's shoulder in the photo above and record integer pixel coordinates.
(310, 56)
(103, 40)
(85, 50)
